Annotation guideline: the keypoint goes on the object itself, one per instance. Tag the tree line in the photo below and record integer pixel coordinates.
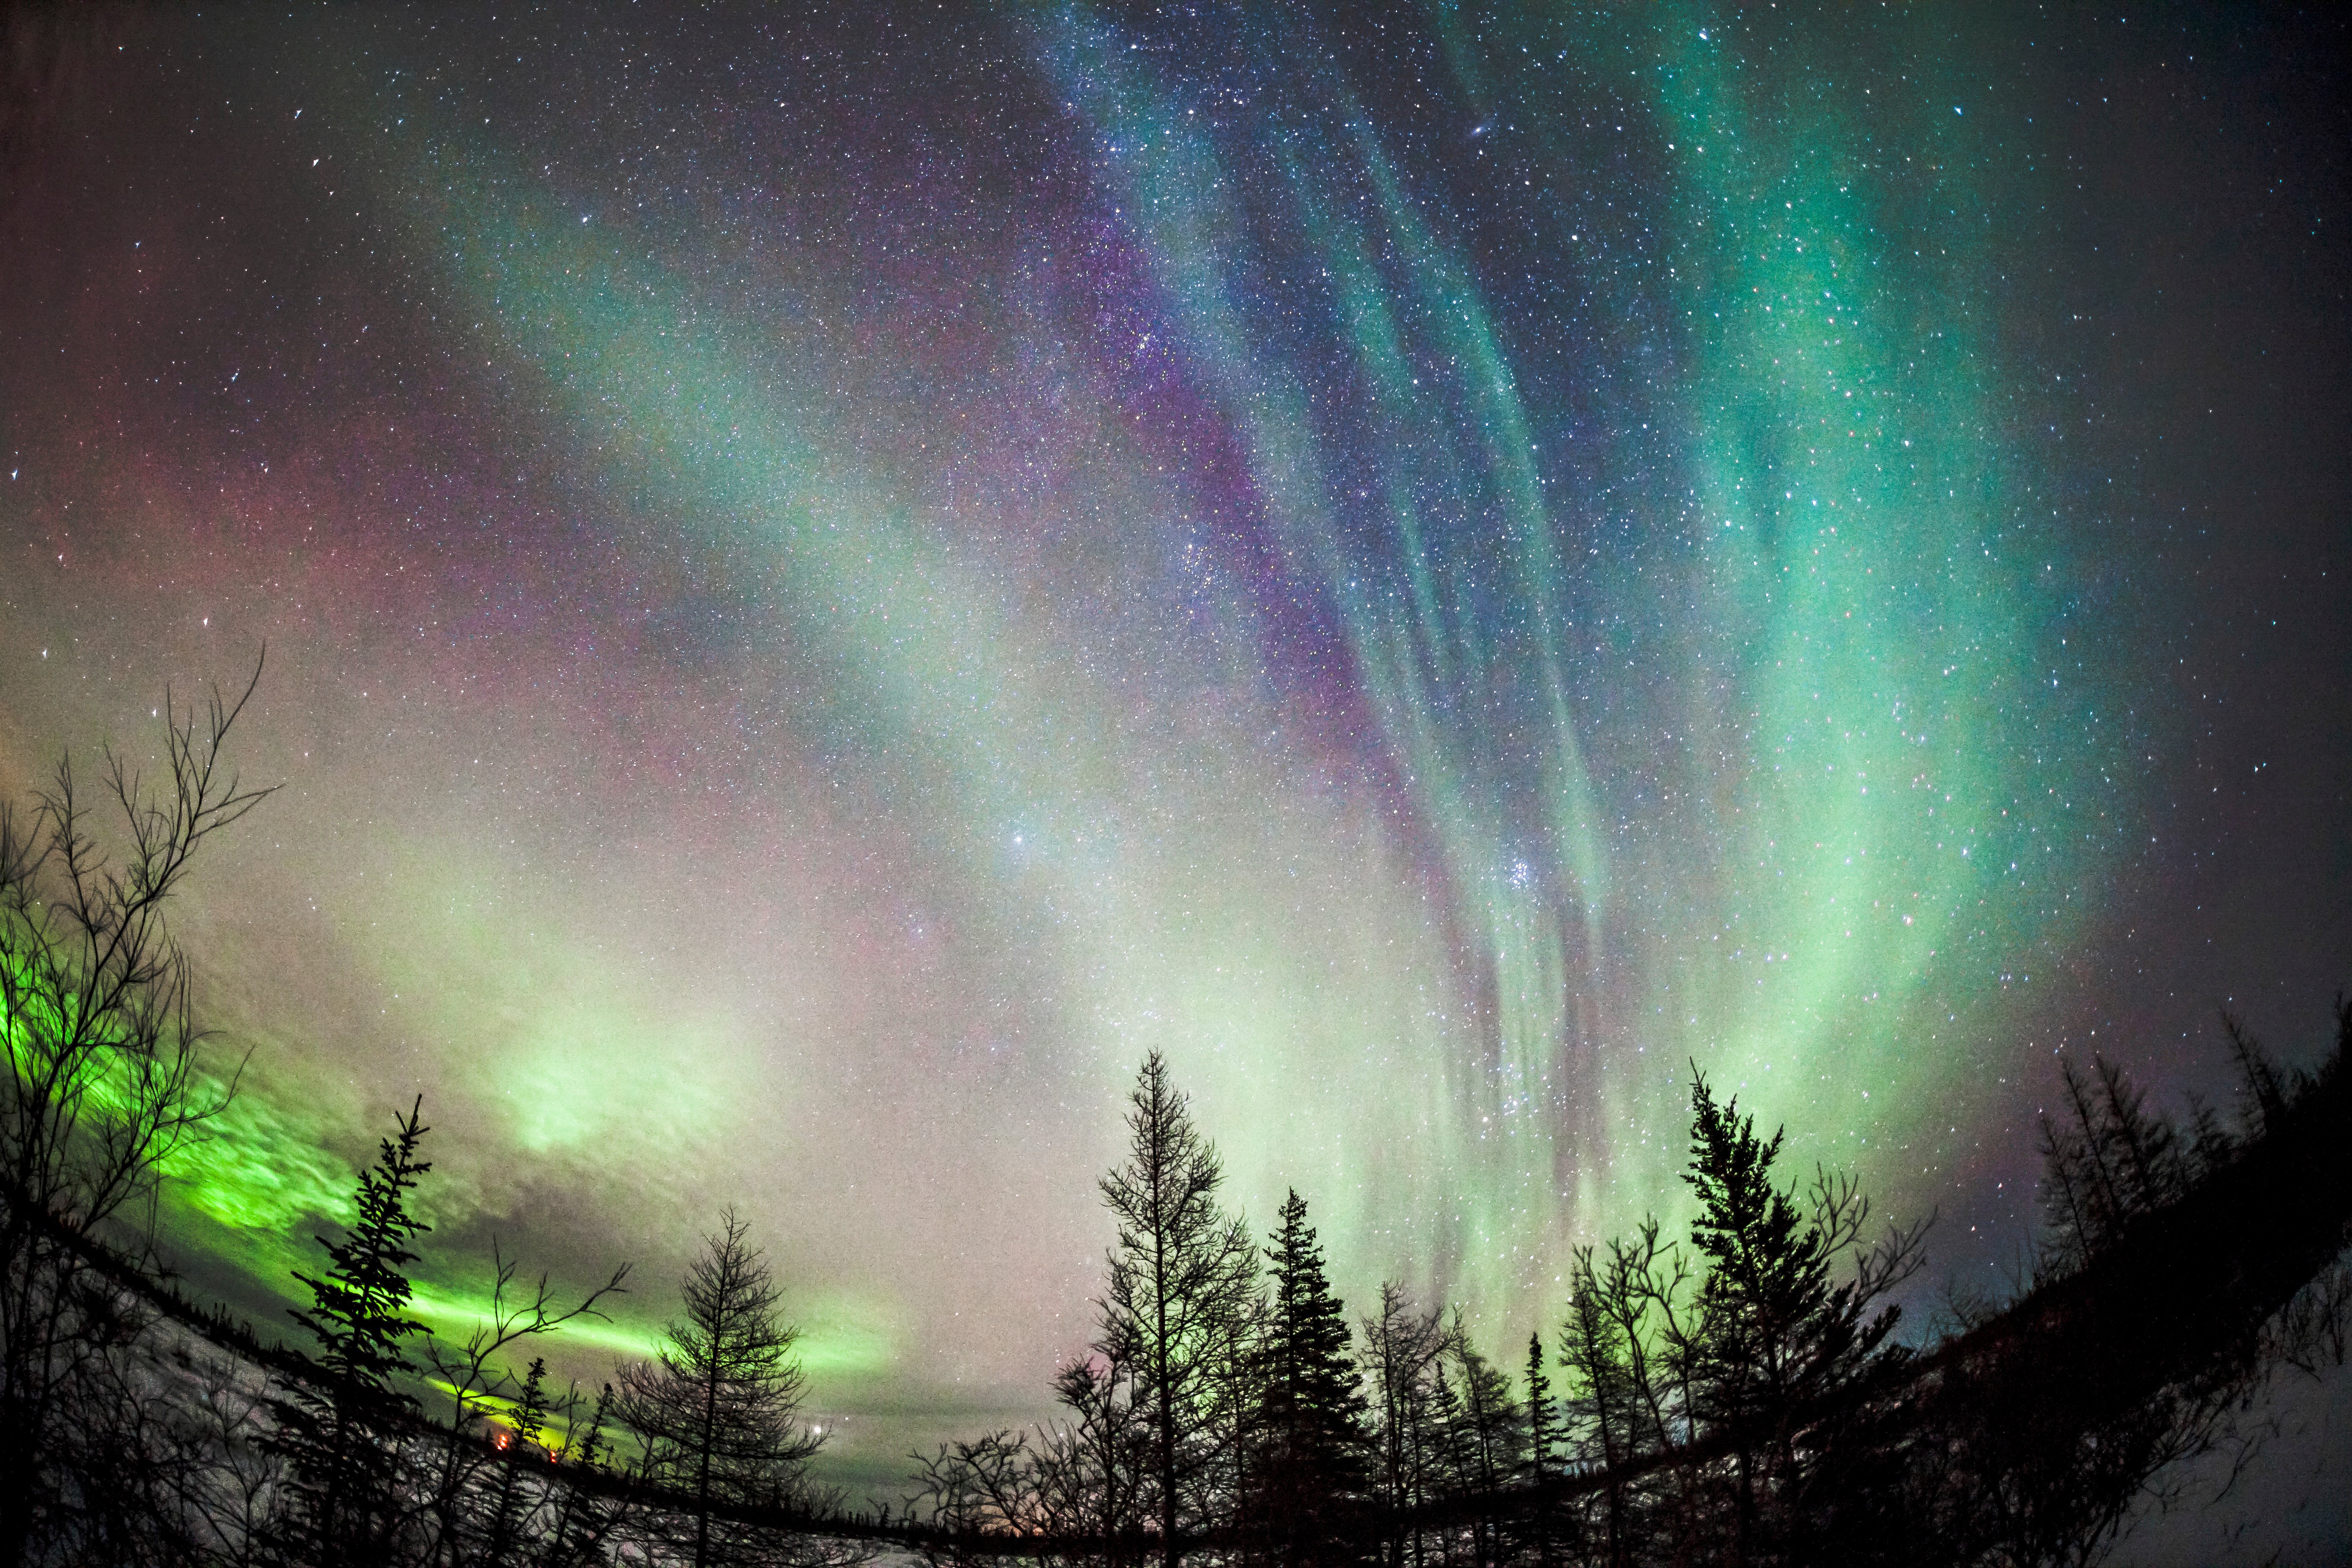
(1737, 1393)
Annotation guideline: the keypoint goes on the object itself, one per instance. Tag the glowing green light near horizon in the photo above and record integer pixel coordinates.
(839, 1335)
(247, 1168)
(239, 1162)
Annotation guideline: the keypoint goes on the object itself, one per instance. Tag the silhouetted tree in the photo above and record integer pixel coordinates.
(100, 1085)
(475, 1376)
(587, 1520)
(1308, 1470)
(717, 1409)
(1093, 1473)
(2183, 1266)
(1736, 1399)
(1403, 1360)
(1543, 1429)
(1087, 1480)
(1778, 1334)
(341, 1428)
(1643, 1287)
(987, 1485)
(512, 1502)
(1491, 1437)
(1602, 1401)
(1180, 1273)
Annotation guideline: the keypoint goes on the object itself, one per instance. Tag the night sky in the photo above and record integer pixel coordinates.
(832, 581)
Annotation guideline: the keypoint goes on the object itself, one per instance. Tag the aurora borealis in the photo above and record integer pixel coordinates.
(832, 580)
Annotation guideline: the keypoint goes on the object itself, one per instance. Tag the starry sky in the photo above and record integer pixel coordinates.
(834, 576)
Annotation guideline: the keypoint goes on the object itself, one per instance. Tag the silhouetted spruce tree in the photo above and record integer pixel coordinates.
(473, 1374)
(1308, 1471)
(341, 1428)
(2185, 1265)
(1542, 1434)
(717, 1409)
(1777, 1335)
(1181, 1271)
(1442, 1458)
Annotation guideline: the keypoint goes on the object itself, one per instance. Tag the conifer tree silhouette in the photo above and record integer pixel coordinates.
(1181, 1272)
(1310, 1425)
(1775, 1333)
(341, 1429)
(717, 1409)
(1543, 1433)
